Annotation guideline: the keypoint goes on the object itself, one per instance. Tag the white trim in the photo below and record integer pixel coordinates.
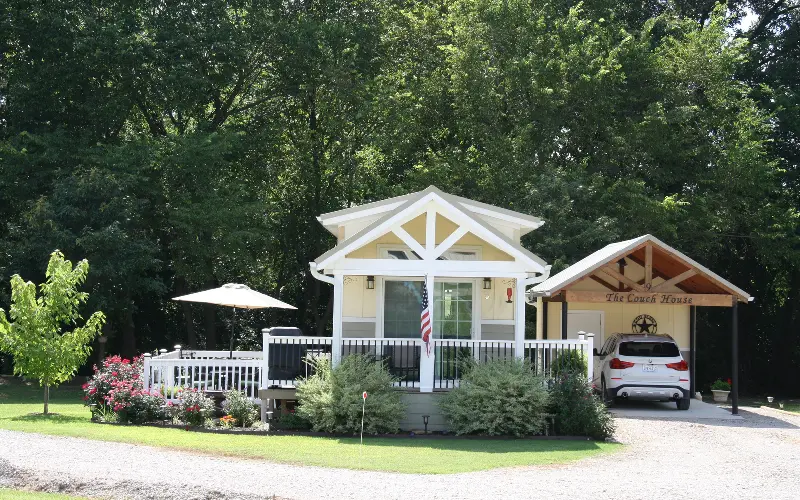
(430, 232)
(518, 221)
(498, 322)
(449, 242)
(455, 268)
(410, 241)
(384, 249)
(357, 319)
(454, 211)
(612, 253)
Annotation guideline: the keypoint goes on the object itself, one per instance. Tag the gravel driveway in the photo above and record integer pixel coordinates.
(757, 457)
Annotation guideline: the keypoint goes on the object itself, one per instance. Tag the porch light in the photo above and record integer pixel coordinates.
(370, 282)
(487, 283)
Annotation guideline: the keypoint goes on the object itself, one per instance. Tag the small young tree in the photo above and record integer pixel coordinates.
(35, 336)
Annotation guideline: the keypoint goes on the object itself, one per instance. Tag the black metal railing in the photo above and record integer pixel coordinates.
(401, 356)
(455, 356)
(289, 357)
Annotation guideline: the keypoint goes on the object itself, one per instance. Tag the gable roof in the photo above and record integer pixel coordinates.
(409, 204)
(615, 251)
(331, 220)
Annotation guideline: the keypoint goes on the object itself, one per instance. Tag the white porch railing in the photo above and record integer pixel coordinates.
(209, 371)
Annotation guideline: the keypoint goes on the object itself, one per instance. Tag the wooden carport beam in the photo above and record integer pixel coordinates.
(648, 266)
(623, 279)
(675, 280)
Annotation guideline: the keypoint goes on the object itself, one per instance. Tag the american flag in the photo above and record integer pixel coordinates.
(425, 318)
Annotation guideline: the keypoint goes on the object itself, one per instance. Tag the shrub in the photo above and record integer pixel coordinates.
(330, 399)
(239, 407)
(578, 411)
(145, 407)
(195, 407)
(114, 383)
(721, 385)
(497, 398)
(292, 421)
(569, 361)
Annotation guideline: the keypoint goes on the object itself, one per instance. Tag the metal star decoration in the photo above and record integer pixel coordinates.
(645, 324)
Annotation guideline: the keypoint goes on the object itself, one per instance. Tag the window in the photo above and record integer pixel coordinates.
(402, 306)
(405, 253)
(649, 349)
(452, 310)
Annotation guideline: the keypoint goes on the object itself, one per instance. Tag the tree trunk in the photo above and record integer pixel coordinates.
(188, 318)
(128, 334)
(46, 399)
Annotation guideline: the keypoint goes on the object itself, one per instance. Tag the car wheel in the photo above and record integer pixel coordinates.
(608, 401)
(683, 403)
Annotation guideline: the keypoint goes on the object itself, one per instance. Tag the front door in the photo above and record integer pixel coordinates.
(452, 310)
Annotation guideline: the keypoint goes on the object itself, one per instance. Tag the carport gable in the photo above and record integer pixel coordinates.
(669, 278)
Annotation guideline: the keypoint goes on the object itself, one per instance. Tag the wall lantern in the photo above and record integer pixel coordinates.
(487, 283)
(509, 293)
(370, 282)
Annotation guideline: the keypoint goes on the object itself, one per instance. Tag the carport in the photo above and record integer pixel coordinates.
(642, 286)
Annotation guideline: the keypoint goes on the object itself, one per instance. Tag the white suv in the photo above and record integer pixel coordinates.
(634, 366)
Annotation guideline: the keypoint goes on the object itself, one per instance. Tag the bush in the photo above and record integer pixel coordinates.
(239, 407)
(569, 361)
(114, 383)
(497, 398)
(578, 411)
(330, 399)
(195, 407)
(292, 421)
(144, 407)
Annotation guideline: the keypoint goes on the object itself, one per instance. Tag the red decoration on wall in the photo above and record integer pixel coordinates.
(509, 292)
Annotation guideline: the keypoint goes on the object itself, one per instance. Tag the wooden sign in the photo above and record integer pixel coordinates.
(652, 298)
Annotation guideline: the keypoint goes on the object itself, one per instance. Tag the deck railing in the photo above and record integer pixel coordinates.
(285, 360)
(288, 358)
(209, 371)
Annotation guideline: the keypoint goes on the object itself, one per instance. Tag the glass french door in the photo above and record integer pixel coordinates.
(452, 320)
(452, 310)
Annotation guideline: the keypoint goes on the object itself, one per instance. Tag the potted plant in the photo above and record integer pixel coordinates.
(720, 389)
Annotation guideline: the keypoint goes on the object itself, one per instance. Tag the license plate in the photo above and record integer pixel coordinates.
(648, 368)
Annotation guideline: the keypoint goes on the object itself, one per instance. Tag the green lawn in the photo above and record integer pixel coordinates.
(19, 404)
(6, 494)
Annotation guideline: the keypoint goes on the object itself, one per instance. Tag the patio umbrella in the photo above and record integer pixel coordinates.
(236, 296)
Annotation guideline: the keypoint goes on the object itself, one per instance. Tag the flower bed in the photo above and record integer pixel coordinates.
(115, 394)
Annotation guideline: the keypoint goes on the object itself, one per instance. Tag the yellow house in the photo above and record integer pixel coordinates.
(464, 254)
(423, 279)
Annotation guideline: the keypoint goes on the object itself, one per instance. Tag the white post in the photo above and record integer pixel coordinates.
(427, 364)
(146, 372)
(338, 292)
(519, 319)
(264, 382)
(590, 357)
